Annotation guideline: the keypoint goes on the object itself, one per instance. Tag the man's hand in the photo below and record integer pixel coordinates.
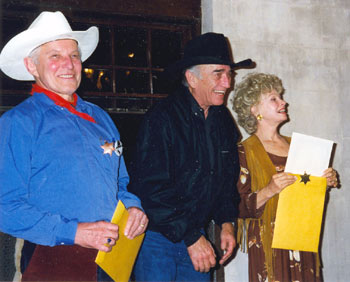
(100, 235)
(137, 223)
(228, 241)
(202, 255)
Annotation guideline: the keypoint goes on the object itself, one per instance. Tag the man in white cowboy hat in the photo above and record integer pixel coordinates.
(61, 172)
(186, 167)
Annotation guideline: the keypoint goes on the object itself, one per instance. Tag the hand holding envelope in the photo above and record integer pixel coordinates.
(119, 262)
(300, 205)
(332, 177)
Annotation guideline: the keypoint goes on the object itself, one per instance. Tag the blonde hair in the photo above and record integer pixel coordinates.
(248, 93)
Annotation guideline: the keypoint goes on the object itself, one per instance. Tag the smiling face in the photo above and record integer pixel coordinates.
(210, 87)
(57, 67)
(272, 107)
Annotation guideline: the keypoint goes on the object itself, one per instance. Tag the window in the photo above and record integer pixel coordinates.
(124, 74)
(125, 71)
(12, 91)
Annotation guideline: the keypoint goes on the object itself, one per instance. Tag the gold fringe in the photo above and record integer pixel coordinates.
(261, 170)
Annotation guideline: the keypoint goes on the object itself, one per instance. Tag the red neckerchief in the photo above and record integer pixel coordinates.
(59, 101)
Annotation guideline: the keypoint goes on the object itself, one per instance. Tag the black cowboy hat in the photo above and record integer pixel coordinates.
(208, 48)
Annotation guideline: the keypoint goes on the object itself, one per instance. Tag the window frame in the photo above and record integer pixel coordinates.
(187, 27)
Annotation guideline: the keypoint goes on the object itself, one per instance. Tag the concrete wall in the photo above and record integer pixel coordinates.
(307, 44)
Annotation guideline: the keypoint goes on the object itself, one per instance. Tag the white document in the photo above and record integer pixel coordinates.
(308, 154)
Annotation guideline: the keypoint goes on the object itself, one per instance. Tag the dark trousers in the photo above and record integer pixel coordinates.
(60, 263)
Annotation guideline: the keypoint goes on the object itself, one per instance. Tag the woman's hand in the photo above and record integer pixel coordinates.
(280, 181)
(332, 177)
(277, 183)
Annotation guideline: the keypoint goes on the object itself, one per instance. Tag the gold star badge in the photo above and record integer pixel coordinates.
(305, 178)
(108, 148)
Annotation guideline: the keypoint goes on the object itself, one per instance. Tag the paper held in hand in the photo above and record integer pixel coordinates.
(300, 205)
(308, 154)
(119, 262)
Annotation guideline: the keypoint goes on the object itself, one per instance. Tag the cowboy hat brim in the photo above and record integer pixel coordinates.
(179, 66)
(20, 46)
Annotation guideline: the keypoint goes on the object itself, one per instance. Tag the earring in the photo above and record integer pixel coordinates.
(259, 117)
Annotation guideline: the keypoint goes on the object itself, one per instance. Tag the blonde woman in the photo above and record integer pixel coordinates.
(261, 110)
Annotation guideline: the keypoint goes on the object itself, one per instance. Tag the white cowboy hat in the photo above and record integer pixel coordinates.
(48, 26)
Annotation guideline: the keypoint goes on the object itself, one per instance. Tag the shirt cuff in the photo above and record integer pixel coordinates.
(66, 232)
(133, 204)
(192, 237)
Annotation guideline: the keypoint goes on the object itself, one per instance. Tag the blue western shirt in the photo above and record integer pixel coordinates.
(54, 173)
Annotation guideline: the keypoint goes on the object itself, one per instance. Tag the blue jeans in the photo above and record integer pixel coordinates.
(162, 260)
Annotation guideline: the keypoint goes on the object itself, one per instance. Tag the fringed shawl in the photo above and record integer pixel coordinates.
(261, 170)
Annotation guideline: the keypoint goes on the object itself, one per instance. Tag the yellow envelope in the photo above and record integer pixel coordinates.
(299, 215)
(119, 262)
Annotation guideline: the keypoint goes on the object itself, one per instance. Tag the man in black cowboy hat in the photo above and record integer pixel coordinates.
(186, 166)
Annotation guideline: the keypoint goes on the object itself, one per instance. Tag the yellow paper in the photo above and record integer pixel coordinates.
(299, 215)
(119, 262)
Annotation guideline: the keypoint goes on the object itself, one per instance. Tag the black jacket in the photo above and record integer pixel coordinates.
(186, 167)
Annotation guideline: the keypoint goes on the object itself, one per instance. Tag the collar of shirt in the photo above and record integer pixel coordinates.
(59, 101)
(195, 108)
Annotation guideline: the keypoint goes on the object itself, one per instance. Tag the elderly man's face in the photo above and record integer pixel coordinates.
(58, 67)
(210, 88)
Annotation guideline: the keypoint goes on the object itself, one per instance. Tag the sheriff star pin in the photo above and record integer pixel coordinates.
(305, 178)
(108, 148)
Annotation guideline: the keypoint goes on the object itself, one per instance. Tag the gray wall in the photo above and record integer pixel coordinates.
(307, 44)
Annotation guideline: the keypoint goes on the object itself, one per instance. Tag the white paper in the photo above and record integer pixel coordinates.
(308, 154)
